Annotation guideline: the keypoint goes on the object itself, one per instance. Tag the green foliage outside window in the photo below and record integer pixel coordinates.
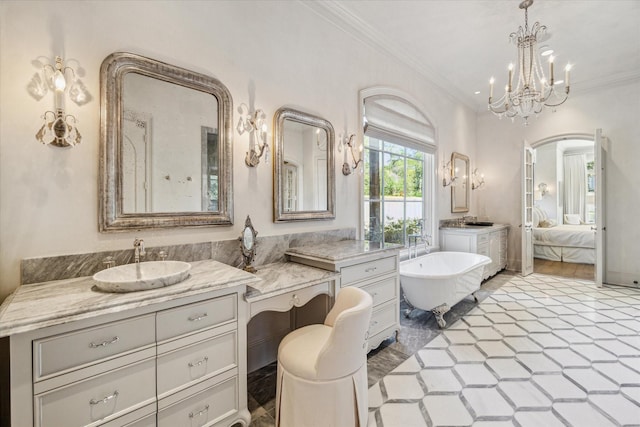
(393, 232)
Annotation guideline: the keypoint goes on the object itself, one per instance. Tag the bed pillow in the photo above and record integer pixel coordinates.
(535, 217)
(573, 219)
(547, 223)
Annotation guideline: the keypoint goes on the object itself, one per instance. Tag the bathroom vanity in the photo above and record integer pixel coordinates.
(176, 355)
(367, 265)
(168, 357)
(490, 241)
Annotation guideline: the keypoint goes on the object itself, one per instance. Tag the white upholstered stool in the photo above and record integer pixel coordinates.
(322, 369)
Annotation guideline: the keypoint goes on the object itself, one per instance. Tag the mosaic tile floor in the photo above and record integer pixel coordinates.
(538, 351)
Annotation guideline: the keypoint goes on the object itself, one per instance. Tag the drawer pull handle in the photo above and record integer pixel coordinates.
(374, 323)
(93, 402)
(104, 343)
(370, 269)
(200, 412)
(197, 317)
(199, 362)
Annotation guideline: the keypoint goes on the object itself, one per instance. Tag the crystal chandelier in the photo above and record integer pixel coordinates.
(533, 91)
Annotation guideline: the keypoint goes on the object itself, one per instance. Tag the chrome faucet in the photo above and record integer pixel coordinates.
(138, 249)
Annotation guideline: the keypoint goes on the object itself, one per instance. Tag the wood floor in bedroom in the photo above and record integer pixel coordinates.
(564, 269)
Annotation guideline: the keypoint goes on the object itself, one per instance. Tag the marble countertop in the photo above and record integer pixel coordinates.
(476, 228)
(342, 250)
(45, 304)
(282, 277)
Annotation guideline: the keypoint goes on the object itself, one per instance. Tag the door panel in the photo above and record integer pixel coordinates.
(527, 210)
(601, 146)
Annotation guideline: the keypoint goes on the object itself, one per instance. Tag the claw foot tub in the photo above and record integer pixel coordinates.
(437, 281)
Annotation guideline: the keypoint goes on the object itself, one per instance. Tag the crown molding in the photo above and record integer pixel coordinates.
(341, 17)
(337, 14)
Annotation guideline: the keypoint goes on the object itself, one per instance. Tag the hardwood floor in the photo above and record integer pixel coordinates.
(564, 269)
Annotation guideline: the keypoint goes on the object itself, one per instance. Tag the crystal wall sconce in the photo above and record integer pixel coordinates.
(59, 129)
(477, 179)
(449, 176)
(255, 124)
(346, 145)
(543, 188)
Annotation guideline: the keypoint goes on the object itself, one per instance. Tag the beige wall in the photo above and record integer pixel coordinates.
(274, 53)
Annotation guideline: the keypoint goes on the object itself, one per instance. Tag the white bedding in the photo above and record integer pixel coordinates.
(575, 236)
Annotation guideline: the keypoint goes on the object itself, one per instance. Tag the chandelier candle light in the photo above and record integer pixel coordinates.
(533, 91)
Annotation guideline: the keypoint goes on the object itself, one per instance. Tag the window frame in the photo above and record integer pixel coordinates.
(427, 144)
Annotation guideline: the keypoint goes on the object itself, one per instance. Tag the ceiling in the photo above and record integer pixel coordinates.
(460, 44)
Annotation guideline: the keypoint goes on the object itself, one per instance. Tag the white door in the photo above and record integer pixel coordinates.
(600, 148)
(527, 210)
(135, 155)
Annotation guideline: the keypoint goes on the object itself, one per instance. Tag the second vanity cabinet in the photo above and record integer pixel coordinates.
(488, 241)
(181, 362)
(368, 266)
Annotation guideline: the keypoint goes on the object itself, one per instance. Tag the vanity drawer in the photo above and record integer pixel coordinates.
(383, 317)
(202, 409)
(193, 317)
(482, 238)
(194, 361)
(54, 355)
(383, 290)
(143, 417)
(99, 399)
(483, 249)
(366, 270)
(288, 300)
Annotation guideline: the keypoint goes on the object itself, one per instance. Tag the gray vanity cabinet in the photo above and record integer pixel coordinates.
(178, 363)
(370, 266)
(379, 277)
(488, 241)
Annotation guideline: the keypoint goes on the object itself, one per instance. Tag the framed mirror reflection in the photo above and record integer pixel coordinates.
(303, 172)
(166, 158)
(460, 190)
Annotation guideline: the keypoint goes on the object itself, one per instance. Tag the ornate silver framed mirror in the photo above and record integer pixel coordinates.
(303, 167)
(460, 189)
(248, 245)
(166, 146)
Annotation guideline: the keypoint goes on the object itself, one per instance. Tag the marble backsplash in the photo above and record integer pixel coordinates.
(269, 249)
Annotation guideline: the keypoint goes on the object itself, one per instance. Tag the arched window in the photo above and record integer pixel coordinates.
(399, 149)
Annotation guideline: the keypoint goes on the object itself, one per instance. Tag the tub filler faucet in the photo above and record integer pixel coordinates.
(425, 240)
(138, 250)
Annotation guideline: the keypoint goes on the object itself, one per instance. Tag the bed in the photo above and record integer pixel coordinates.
(565, 242)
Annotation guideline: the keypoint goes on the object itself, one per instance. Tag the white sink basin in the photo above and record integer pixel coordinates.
(141, 276)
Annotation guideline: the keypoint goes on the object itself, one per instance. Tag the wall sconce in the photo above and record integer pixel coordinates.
(59, 129)
(449, 176)
(347, 144)
(543, 188)
(254, 123)
(477, 180)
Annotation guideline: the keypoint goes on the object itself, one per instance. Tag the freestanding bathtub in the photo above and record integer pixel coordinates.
(436, 281)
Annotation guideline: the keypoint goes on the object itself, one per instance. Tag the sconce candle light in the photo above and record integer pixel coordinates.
(477, 179)
(255, 124)
(347, 143)
(543, 188)
(59, 129)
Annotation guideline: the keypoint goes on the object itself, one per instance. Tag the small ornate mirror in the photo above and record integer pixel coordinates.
(248, 245)
(303, 168)
(166, 149)
(460, 189)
